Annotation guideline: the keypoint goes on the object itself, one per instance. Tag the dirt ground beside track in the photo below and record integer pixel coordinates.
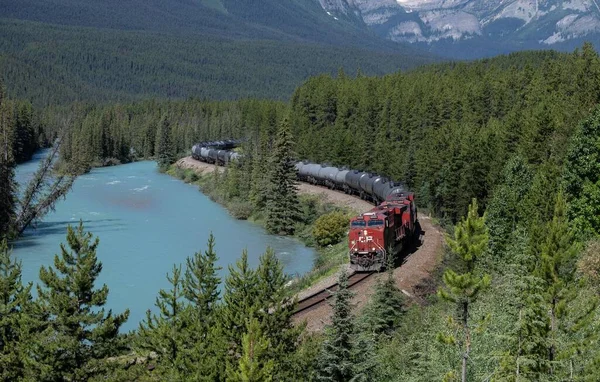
(415, 270)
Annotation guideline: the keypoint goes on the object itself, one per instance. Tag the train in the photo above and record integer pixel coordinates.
(373, 235)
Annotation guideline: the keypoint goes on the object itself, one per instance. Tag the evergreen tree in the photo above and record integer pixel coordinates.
(335, 361)
(201, 283)
(240, 302)
(386, 308)
(164, 151)
(526, 355)
(282, 204)
(164, 333)
(275, 314)
(469, 242)
(16, 316)
(254, 364)
(582, 177)
(7, 172)
(79, 334)
(201, 289)
(557, 268)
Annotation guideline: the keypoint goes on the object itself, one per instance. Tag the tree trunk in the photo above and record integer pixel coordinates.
(467, 340)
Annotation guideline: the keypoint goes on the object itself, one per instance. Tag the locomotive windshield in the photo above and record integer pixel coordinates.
(359, 223)
(375, 223)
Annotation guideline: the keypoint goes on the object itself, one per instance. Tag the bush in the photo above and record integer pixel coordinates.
(240, 209)
(331, 228)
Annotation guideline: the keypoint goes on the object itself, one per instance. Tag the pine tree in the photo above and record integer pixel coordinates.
(557, 268)
(201, 288)
(240, 302)
(254, 364)
(526, 355)
(469, 243)
(16, 317)
(164, 151)
(385, 310)
(164, 333)
(275, 314)
(335, 360)
(7, 171)
(80, 334)
(201, 282)
(282, 204)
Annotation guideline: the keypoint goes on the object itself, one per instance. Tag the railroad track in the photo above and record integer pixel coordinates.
(321, 296)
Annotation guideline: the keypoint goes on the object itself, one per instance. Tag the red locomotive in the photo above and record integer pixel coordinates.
(387, 227)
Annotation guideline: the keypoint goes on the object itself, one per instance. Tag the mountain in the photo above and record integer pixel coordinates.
(60, 51)
(476, 28)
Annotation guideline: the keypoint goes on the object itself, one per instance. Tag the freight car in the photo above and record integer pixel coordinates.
(387, 227)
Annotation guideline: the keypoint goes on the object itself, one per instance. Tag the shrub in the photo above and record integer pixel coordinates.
(330, 228)
(589, 264)
(240, 209)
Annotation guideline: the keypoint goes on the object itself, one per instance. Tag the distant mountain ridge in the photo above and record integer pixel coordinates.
(464, 24)
(60, 51)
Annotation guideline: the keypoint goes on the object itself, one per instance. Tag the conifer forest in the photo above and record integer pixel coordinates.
(502, 153)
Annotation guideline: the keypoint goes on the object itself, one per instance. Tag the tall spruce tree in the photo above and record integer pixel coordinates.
(526, 354)
(239, 303)
(7, 170)
(80, 335)
(335, 362)
(557, 269)
(164, 151)
(282, 202)
(164, 333)
(16, 317)
(201, 282)
(469, 242)
(201, 289)
(275, 314)
(385, 310)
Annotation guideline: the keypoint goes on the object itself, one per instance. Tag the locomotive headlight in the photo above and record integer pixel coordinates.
(353, 242)
(365, 232)
(373, 249)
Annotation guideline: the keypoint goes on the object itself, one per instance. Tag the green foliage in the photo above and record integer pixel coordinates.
(107, 64)
(330, 228)
(78, 333)
(386, 309)
(448, 130)
(16, 306)
(582, 177)
(253, 366)
(282, 199)
(335, 361)
(469, 242)
(164, 149)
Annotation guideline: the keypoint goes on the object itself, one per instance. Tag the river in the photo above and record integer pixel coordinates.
(146, 222)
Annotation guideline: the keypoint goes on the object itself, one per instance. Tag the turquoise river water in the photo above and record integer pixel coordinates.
(146, 222)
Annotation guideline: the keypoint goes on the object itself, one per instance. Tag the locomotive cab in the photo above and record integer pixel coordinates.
(367, 241)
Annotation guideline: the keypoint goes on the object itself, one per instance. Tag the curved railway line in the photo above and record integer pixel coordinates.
(324, 294)
(411, 277)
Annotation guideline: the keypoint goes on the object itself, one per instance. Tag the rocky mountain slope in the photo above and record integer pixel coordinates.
(476, 27)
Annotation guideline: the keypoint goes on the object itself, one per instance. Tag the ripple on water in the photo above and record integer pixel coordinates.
(144, 230)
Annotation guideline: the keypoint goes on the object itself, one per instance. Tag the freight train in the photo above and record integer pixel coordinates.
(386, 228)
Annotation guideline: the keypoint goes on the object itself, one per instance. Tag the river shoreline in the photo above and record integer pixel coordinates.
(412, 277)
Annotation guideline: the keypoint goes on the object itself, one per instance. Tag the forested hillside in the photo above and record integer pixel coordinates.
(504, 152)
(65, 51)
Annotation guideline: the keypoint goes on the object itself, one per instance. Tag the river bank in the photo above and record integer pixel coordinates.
(146, 222)
(412, 277)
